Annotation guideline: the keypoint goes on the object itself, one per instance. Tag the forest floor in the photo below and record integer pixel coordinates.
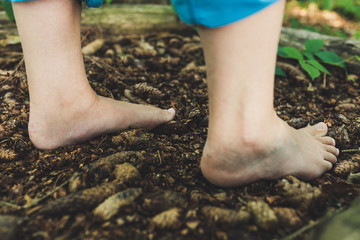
(161, 193)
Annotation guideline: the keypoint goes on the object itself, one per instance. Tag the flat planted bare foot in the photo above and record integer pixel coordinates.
(52, 126)
(305, 153)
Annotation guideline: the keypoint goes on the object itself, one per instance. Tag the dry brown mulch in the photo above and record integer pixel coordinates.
(154, 179)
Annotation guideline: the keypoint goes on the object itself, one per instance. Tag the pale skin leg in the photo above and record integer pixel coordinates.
(63, 107)
(247, 141)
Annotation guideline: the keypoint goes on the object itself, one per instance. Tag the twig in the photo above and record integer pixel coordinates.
(36, 202)
(301, 230)
(10, 205)
(15, 71)
(353, 150)
(85, 36)
(160, 160)
(324, 81)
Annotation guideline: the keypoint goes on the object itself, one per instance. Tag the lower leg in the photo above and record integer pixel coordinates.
(63, 107)
(246, 140)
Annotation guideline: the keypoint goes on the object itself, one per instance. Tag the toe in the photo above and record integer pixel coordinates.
(165, 115)
(329, 157)
(170, 113)
(319, 130)
(327, 165)
(331, 149)
(327, 140)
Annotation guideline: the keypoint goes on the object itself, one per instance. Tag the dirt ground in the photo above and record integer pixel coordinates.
(154, 177)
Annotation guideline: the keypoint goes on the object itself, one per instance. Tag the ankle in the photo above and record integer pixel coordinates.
(247, 136)
(50, 119)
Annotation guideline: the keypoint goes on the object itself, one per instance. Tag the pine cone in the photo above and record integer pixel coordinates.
(147, 90)
(263, 215)
(291, 70)
(347, 107)
(288, 217)
(346, 167)
(226, 216)
(112, 205)
(7, 154)
(81, 200)
(169, 219)
(133, 137)
(296, 192)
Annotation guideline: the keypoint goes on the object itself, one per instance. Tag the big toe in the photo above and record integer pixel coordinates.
(156, 117)
(320, 129)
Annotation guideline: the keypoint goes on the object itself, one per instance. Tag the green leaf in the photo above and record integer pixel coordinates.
(281, 53)
(293, 53)
(279, 72)
(8, 9)
(313, 72)
(314, 45)
(309, 55)
(328, 4)
(331, 58)
(317, 65)
(358, 58)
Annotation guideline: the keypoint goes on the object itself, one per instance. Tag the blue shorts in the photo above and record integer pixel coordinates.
(216, 13)
(90, 3)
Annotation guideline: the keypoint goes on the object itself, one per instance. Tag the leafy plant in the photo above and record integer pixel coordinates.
(108, 2)
(307, 58)
(8, 9)
(311, 58)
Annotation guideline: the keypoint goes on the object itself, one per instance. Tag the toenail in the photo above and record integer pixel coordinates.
(334, 142)
(320, 126)
(337, 151)
(171, 110)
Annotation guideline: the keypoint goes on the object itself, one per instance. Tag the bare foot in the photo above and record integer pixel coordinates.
(59, 124)
(305, 153)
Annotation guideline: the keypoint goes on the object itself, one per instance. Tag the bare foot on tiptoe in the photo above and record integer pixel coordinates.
(305, 153)
(55, 125)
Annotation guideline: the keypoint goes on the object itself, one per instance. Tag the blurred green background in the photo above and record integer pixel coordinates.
(347, 10)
